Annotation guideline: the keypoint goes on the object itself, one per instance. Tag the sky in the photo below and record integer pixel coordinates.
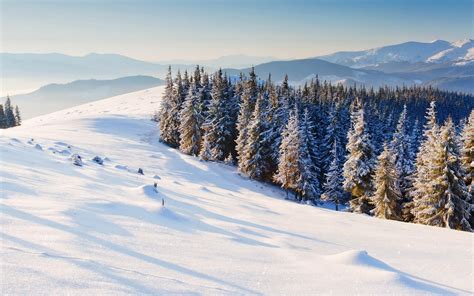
(158, 30)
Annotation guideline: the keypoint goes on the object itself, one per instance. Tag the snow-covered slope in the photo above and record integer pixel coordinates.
(459, 52)
(101, 229)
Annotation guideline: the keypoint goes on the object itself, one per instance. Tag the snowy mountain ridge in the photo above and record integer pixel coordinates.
(101, 229)
(438, 51)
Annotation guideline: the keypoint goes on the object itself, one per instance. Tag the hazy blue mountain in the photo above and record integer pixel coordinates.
(300, 71)
(54, 97)
(229, 61)
(26, 72)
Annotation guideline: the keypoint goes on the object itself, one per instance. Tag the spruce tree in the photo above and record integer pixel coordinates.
(215, 133)
(296, 170)
(288, 168)
(467, 160)
(3, 120)
(17, 116)
(387, 196)
(249, 97)
(400, 146)
(169, 113)
(191, 120)
(467, 153)
(333, 186)
(359, 166)
(9, 114)
(309, 160)
(441, 197)
(254, 160)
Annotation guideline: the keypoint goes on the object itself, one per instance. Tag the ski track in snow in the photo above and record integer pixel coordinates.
(101, 229)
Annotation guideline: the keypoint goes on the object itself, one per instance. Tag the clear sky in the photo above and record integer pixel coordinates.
(201, 29)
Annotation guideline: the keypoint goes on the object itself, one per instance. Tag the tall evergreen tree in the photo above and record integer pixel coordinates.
(387, 196)
(17, 116)
(400, 146)
(359, 166)
(191, 118)
(249, 97)
(254, 160)
(216, 134)
(9, 115)
(441, 196)
(309, 159)
(467, 160)
(169, 112)
(333, 186)
(3, 119)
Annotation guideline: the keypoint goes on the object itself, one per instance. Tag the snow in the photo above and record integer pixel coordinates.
(432, 52)
(101, 229)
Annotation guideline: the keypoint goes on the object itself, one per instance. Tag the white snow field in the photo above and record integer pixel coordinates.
(101, 229)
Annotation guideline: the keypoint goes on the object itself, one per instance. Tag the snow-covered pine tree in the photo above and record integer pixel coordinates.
(191, 120)
(309, 160)
(400, 146)
(334, 133)
(169, 114)
(441, 197)
(216, 135)
(296, 170)
(467, 159)
(467, 152)
(333, 186)
(9, 114)
(359, 165)
(288, 167)
(254, 160)
(17, 116)
(249, 97)
(421, 178)
(387, 196)
(3, 120)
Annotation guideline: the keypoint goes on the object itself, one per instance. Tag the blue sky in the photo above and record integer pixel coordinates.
(185, 29)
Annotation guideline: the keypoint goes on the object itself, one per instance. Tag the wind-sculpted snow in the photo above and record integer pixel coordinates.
(101, 229)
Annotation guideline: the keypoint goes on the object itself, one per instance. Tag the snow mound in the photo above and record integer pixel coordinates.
(358, 258)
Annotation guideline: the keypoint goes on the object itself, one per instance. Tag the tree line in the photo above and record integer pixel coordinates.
(401, 153)
(9, 115)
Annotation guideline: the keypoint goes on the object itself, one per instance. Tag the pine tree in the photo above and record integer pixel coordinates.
(17, 116)
(309, 160)
(254, 160)
(9, 115)
(3, 120)
(467, 154)
(249, 97)
(387, 196)
(191, 120)
(288, 168)
(216, 135)
(467, 160)
(296, 170)
(441, 197)
(359, 166)
(400, 146)
(333, 186)
(169, 113)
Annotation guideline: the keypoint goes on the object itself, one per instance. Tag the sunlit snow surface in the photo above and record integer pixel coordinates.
(102, 230)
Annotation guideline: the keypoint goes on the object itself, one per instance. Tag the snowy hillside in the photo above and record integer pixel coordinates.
(459, 52)
(101, 229)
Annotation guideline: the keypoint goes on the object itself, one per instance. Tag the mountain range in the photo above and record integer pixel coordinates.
(443, 64)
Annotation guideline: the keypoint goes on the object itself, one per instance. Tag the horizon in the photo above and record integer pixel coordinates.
(179, 60)
(141, 29)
